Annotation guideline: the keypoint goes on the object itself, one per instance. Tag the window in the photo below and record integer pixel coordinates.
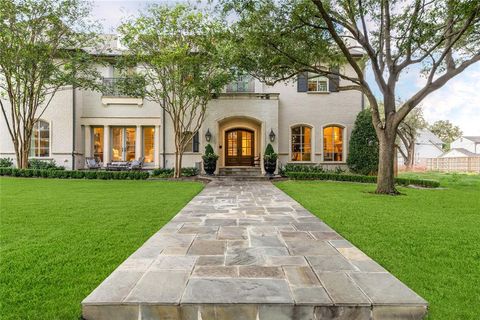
(98, 143)
(301, 143)
(148, 143)
(317, 83)
(333, 143)
(194, 144)
(40, 145)
(244, 83)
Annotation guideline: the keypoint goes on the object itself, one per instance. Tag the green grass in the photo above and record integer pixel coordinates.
(60, 238)
(429, 239)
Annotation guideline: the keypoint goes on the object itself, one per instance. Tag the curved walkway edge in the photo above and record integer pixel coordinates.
(246, 250)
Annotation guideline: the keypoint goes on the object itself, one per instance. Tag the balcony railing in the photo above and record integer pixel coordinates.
(244, 83)
(123, 87)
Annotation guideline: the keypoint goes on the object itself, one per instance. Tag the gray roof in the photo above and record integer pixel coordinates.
(472, 138)
(464, 151)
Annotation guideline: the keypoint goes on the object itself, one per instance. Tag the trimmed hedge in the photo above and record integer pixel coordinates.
(358, 178)
(168, 173)
(67, 174)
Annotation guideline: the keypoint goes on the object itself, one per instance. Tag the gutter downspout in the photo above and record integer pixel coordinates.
(362, 100)
(74, 116)
(163, 135)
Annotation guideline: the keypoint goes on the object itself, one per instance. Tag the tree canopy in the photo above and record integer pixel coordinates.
(183, 55)
(279, 38)
(42, 50)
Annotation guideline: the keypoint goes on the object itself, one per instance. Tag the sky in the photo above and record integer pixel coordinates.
(458, 101)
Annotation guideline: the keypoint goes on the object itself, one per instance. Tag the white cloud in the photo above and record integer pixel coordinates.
(458, 101)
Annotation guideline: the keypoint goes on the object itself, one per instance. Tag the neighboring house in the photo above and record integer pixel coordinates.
(468, 143)
(459, 153)
(427, 145)
(307, 120)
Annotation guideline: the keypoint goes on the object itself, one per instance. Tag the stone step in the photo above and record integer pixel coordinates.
(247, 171)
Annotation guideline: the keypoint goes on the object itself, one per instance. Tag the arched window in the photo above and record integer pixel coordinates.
(301, 143)
(40, 146)
(333, 143)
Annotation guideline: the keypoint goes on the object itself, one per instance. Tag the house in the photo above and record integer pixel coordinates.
(427, 145)
(459, 153)
(307, 120)
(467, 143)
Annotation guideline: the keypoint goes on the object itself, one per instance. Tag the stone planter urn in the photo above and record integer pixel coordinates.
(209, 160)
(270, 160)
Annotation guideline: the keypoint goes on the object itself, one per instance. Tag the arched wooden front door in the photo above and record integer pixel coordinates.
(239, 147)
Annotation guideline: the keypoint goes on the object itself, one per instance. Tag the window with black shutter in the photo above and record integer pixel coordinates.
(196, 142)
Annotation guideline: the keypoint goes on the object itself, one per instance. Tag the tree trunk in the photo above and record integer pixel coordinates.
(178, 163)
(410, 157)
(386, 176)
(22, 152)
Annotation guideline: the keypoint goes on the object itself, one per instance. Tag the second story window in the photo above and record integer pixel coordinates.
(244, 83)
(123, 87)
(317, 83)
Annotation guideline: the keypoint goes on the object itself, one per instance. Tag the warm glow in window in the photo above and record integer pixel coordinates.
(98, 143)
(301, 143)
(317, 83)
(148, 143)
(333, 143)
(40, 143)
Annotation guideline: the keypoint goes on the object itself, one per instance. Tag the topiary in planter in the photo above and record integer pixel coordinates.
(209, 160)
(270, 160)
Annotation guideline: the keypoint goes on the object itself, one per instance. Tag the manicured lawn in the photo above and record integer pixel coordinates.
(429, 239)
(60, 238)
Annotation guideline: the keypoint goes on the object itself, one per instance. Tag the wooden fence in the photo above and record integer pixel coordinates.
(464, 164)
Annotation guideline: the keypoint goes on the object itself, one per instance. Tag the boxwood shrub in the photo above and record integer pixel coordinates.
(75, 174)
(168, 173)
(358, 178)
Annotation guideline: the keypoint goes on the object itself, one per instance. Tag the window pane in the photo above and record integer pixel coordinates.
(117, 144)
(148, 144)
(130, 144)
(322, 85)
(301, 143)
(40, 141)
(232, 143)
(246, 143)
(189, 145)
(312, 85)
(338, 144)
(333, 143)
(98, 143)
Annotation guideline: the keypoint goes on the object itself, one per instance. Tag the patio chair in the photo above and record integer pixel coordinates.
(117, 166)
(137, 164)
(92, 163)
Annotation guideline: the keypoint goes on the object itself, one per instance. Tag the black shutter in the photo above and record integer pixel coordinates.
(302, 82)
(333, 80)
(196, 143)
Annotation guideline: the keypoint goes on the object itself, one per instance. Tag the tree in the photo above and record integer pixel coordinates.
(182, 54)
(407, 133)
(41, 53)
(277, 39)
(446, 131)
(363, 147)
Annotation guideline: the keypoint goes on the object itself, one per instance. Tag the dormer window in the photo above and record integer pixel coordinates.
(317, 83)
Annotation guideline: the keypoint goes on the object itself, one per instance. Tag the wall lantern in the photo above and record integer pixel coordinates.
(272, 135)
(208, 135)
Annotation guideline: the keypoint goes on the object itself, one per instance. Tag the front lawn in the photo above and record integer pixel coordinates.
(60, 238)
(429, 239)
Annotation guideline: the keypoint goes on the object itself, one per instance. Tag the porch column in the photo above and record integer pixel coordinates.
(88, 141)
(156, 146)
(106, 145)
(138, 142)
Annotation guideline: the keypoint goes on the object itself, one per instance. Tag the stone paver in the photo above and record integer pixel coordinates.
(246, 250)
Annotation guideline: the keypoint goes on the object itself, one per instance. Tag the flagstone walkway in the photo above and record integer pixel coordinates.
(246, 250)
